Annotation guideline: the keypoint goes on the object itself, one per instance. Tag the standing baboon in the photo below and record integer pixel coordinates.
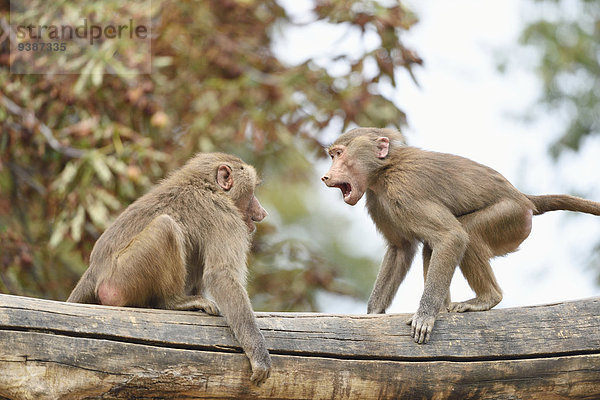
(187, 237)
(463, 212)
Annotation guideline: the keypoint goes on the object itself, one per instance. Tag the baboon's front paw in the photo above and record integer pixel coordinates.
(261, 370)
(421, 327)
(209, 307)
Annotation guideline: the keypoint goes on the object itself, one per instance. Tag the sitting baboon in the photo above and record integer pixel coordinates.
(187, 237)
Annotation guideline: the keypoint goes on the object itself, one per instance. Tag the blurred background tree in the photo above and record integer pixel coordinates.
(76, 149)
(565, 38)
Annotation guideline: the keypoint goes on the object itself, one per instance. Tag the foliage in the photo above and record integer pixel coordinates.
(567, 40)
(77, 148)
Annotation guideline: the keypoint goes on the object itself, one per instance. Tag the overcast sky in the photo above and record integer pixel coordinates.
(466, 107)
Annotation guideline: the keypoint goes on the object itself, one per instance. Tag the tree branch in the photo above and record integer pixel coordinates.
(29, 116)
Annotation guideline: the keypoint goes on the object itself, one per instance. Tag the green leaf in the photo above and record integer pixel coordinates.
(97, 212)
(108, 199)
(65, 178)
(59, 231)
(97, 74)
(77, 223)
(161, 62)
(99, 165)
(116, 165)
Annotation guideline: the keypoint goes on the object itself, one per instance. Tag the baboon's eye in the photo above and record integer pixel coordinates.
(336, 153)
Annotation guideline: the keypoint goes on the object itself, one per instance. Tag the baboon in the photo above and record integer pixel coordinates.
(463, 212)
(186, 238)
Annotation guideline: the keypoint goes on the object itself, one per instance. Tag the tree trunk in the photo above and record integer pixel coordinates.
(55, 350)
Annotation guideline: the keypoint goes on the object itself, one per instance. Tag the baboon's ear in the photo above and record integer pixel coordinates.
(383, 146)
(224, 177)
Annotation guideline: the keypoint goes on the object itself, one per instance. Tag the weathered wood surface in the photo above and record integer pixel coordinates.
(55, 350)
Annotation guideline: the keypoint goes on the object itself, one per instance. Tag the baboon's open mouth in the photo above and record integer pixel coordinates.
(346, 189)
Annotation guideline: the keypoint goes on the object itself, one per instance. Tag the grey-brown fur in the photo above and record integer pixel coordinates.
(463, 212)
(186, 238)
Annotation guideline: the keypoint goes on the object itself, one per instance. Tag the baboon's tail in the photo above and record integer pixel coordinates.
(553, 202)
(84, 292)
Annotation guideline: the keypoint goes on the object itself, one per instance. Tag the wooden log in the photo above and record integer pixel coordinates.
(55, 350)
